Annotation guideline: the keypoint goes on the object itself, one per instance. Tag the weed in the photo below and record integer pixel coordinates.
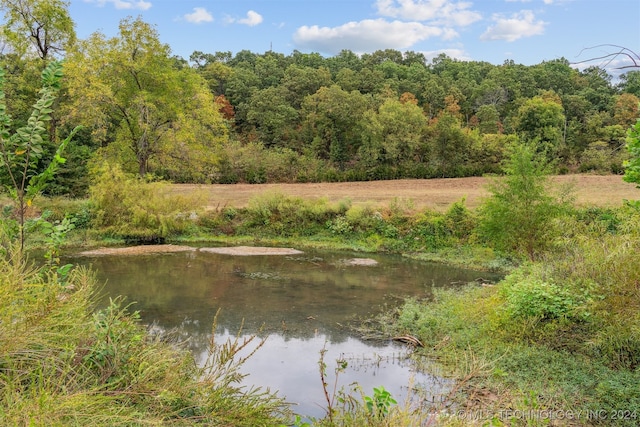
(380, 403)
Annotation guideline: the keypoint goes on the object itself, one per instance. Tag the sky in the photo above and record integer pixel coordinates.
(525, 31)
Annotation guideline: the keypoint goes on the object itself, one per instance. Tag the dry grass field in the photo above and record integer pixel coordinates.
(438, 194)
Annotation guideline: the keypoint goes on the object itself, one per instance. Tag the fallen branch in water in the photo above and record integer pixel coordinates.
(409, 339)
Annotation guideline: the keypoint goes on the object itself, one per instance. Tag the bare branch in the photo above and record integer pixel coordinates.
(609, 57)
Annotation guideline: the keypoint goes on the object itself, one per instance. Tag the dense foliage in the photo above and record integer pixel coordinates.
(305, 117)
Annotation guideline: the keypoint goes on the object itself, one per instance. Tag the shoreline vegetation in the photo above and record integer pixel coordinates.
(556, 343)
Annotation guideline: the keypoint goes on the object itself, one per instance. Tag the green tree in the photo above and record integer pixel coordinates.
(394, 134)
(630, 82)
(519, 215)
(270, 69)
(21, 149)
(137, 101)
(331, 122)
(239, 89)
(303, 81)
(632, 167)
(556, 75)
(21, 85)
(345, 60)
(450, 144)
(626, 109)
(597, 87)
(217, 74)
(488, 118)
(541, 120)
(43, 27)
(272, 116)
(347, 79)
(433, 95)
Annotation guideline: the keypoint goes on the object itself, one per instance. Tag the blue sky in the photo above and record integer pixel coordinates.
(525, 31)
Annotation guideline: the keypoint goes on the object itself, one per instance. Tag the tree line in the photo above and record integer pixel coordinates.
(247, 117)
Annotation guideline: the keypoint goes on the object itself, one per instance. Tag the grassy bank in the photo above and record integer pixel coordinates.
(62, 363)
(556, 343)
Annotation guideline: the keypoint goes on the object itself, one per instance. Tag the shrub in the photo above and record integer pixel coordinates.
(431, 230)
(528, 297)
(519, 215)
(459, 221)
(278, 214)
(364, 218)
(126, 206)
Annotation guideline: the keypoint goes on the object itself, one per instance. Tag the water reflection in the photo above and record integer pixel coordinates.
(300, 303)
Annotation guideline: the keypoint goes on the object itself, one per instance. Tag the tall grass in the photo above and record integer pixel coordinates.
(560, 334)
(129, 207)
(61, 363)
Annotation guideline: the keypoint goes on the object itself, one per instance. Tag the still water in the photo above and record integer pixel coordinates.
(301, 303)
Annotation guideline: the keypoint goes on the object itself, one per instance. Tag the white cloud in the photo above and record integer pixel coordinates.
(124, 4)
(366, 36)
(522, 24)
(437, 11)
(451, 53)
(199, 15)
(253, 18)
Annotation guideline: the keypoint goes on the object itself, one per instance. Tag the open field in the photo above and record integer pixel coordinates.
(609, 190)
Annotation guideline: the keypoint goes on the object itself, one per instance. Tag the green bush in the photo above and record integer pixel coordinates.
(126, 206)
(59, 208)
(519, 216)
(527, 297)
(364, 218)
(278, 214)
(340, 225)
(460, 221)
(431, 230)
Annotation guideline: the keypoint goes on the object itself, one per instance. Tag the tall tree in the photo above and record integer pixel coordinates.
(43, 27)
(272, 116)
(630, 82)
(489, 119)
(625, 109)
(450, 144)
(331, 118)
(394, 134)
(302, 81)
(541, 119)
(129, 90)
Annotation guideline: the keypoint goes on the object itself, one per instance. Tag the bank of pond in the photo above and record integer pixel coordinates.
(299, 302)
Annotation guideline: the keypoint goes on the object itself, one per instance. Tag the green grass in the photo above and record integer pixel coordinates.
(62, 363)
(558, 335)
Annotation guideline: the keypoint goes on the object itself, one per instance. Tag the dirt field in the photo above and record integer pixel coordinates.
(433, 193)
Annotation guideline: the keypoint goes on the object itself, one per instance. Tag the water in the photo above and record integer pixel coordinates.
(302, 304)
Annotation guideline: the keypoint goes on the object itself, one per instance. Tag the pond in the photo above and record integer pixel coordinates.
(301, 304)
